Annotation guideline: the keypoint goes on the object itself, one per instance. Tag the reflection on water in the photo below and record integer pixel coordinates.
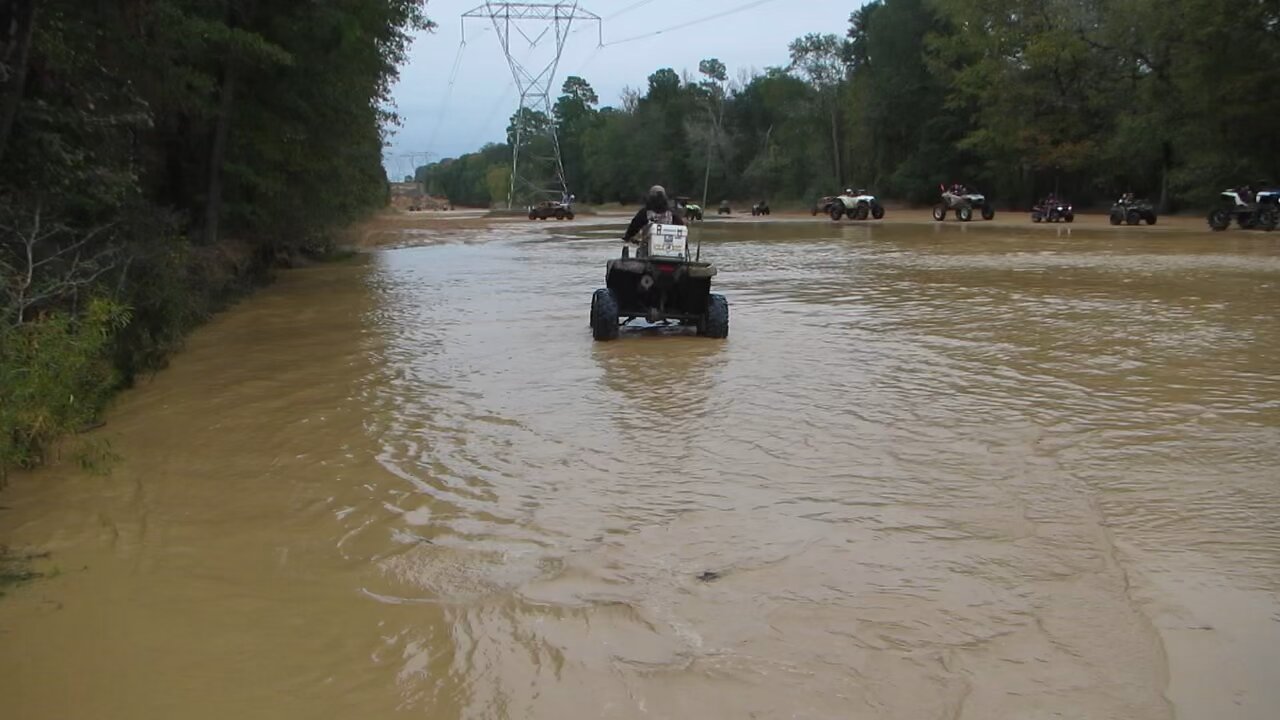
(663, 383)
(935, 471)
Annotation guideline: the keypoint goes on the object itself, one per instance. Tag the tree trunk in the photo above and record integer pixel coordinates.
(706, 178)
(217, 155)
(17, 53)
(835, 147)
(1166, 158)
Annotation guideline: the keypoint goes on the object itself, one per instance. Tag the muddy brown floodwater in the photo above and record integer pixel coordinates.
(935, 472)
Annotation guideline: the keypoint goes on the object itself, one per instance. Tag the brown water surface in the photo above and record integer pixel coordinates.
(935, 472)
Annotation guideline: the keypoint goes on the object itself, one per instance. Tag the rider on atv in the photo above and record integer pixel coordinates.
(657, 209)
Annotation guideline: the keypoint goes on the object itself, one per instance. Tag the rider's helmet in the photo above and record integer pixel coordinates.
(656, 200)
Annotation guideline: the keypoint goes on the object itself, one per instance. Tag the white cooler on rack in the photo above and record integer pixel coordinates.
(667, 241)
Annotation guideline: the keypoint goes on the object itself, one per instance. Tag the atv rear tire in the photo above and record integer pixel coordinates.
(604, 315)
(877, 211)
(863, 211)
(1265, 219)
(836, 211)
(988, 212)
(964, 213)
(1035, 217)
(1117, 218)
(1150, 218)
(715, 323)
(1219, 219)
(939, 212)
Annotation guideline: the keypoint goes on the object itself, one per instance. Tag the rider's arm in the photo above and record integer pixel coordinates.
(637, 224)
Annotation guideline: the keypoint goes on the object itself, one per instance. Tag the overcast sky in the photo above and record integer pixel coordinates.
(448, 123)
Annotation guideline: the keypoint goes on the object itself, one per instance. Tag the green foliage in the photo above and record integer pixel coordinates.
(1172, 99)
(55, 377)
(156, 160)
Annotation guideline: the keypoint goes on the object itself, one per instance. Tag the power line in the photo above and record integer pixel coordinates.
(497, 102)
(448, 93)
(629, 8)
(691, 23)
(586, 61)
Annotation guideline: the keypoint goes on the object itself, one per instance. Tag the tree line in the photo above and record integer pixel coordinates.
(156, 158)
(1170, 99)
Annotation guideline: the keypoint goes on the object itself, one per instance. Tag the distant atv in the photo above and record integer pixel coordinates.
(1252, 211)
(760, 208)
(963, 203)
(550, 209)
(692, 211)
(724, 208)
(823, 205)
(665, 281)
(855, 205)
(1053, 210)
(1131, 211)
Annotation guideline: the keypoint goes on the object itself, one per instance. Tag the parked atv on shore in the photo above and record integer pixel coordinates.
(760, 208)
(692, 211)
(1251, 210)
(963, 202)
(665, 281)
(1053, 210)
(724, 208)
(855, 205)
(550, 209)
(1131, 211)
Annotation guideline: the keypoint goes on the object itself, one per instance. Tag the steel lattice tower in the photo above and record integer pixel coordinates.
(534, 22)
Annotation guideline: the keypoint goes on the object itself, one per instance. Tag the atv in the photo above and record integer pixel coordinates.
(1131, 211)
(724, 208)
(1260, 210)
(962, 202)
(664, 282)
(760, 208)
(692, 211)
(550, 208)
(855, 205)
(1052, 209)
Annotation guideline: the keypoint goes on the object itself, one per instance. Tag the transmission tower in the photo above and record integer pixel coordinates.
(542, 171)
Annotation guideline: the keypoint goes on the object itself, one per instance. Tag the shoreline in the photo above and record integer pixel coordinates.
(389, 229)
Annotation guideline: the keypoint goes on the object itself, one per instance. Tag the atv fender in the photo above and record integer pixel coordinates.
(638, 266)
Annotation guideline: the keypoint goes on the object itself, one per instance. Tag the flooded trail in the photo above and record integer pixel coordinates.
(934, 472)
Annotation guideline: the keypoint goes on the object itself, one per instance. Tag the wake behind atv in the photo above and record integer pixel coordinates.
(663, 283)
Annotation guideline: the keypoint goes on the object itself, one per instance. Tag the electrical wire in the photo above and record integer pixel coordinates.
(629, 8)
(448, 93)
(595, 51)
(691, 23)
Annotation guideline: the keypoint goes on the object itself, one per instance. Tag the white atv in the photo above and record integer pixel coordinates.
(856, 205)
(963, 203)
(1263, 213)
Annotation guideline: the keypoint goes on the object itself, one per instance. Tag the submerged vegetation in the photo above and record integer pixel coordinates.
(158, 158)
(1173, 99)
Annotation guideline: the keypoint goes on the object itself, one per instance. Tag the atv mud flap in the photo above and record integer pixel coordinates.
(657, 290)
